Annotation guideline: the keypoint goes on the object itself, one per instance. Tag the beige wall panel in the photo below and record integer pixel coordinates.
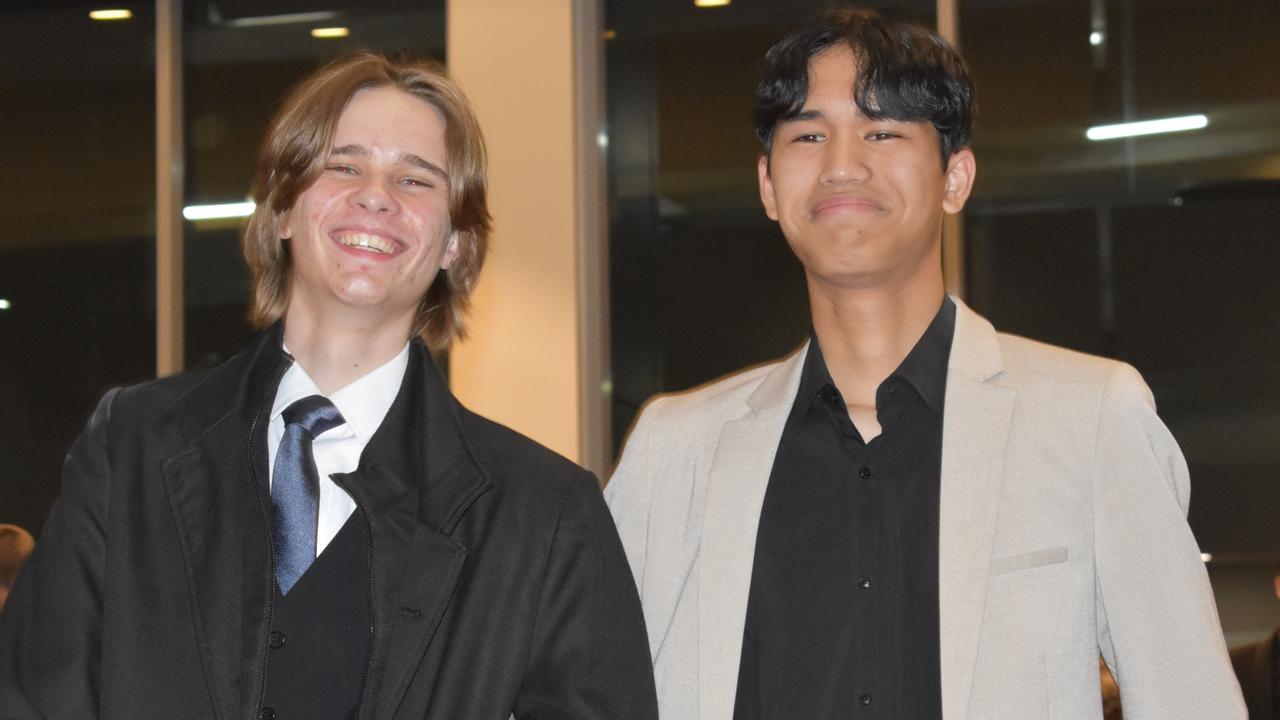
(520, 365)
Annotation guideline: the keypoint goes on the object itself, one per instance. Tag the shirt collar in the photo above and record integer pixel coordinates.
(924, 368)
(363, 403)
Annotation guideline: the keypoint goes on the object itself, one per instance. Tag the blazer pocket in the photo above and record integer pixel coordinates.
(1026, 561)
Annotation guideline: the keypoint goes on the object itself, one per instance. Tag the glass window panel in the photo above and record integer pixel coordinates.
(77, 267)
(1181, 229)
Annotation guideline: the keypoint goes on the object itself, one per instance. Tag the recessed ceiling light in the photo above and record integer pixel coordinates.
(1096, 37)
(1147, 127)
(5, 304)
(711, 3)
(330, 32)
(115, 14)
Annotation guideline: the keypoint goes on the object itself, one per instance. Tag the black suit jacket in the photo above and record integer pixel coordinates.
(1255, 667)
(497, 581)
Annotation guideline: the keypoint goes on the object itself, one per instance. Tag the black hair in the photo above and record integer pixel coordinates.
(906, 73)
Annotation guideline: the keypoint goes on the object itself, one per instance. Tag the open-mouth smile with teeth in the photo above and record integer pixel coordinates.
(364, 241)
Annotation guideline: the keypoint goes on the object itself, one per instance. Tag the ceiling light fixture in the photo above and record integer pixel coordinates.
(114, 14)
(5, 304)
(711, 3)
(289, 19)
(1147, 127)
(1206, 557)
(1096, 37)
(330, 32)
(219, 211)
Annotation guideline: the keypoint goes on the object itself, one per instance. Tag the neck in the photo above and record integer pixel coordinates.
(336, 351)
(866, 333)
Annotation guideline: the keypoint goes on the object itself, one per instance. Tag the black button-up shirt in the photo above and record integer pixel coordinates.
(842, 617)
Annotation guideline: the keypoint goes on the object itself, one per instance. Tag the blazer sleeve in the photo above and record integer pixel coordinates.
(50, 630)
(590, 656)
(1158, 625)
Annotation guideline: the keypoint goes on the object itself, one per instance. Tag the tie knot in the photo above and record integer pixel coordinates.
(314, 413)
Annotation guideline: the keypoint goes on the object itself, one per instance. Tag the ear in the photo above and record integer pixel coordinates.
(960, 172)
(766, 187)
(450, 251)
(284, 225)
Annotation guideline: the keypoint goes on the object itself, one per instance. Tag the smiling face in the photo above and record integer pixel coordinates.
(373, 231)
(859, 200)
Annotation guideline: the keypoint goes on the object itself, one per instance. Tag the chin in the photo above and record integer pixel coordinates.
(361, 294)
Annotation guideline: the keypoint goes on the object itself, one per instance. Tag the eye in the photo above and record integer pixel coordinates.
(417, 182)
(344, 169)
(809, 138)
(883, 135)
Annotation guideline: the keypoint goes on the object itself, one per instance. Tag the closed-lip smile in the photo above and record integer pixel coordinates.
(846, 202)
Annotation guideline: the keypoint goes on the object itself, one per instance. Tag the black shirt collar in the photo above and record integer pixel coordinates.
(924, 368)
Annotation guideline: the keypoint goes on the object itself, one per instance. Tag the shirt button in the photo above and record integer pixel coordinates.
(864, 582)
(276, 639)
(864, 699)
(267, 713)
(864, 472)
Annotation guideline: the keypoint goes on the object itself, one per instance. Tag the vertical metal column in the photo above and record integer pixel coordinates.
(953, 258)
(594, 389)
(169, 176)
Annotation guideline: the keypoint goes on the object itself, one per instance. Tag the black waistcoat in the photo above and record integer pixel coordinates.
(320, 634)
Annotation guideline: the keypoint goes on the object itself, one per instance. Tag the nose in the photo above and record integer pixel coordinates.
(374, 195)
(844, 161)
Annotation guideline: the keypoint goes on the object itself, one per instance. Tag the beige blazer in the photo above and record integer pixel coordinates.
(1062, 534)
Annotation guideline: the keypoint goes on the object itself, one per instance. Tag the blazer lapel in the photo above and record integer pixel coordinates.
(736, 485)
(432, 563)
(203, 486)
(420, 447)
(208, 484)
(975, 429)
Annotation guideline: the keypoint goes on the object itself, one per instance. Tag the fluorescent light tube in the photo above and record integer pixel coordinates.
(120, 14)
(218, 212)
(1147, 127)
(263, 20)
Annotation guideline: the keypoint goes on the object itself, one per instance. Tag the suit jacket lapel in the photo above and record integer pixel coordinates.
(217, 517)
(409, 615)
(975, 429)
(419, 446)
(738, 477)
(210, 539)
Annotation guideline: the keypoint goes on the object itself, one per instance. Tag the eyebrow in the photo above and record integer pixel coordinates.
(408, 158)
(802, 116)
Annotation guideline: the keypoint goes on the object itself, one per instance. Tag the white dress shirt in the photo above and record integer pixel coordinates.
(363, 404)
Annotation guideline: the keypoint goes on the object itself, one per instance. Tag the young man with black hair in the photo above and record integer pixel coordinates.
(913, 516)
